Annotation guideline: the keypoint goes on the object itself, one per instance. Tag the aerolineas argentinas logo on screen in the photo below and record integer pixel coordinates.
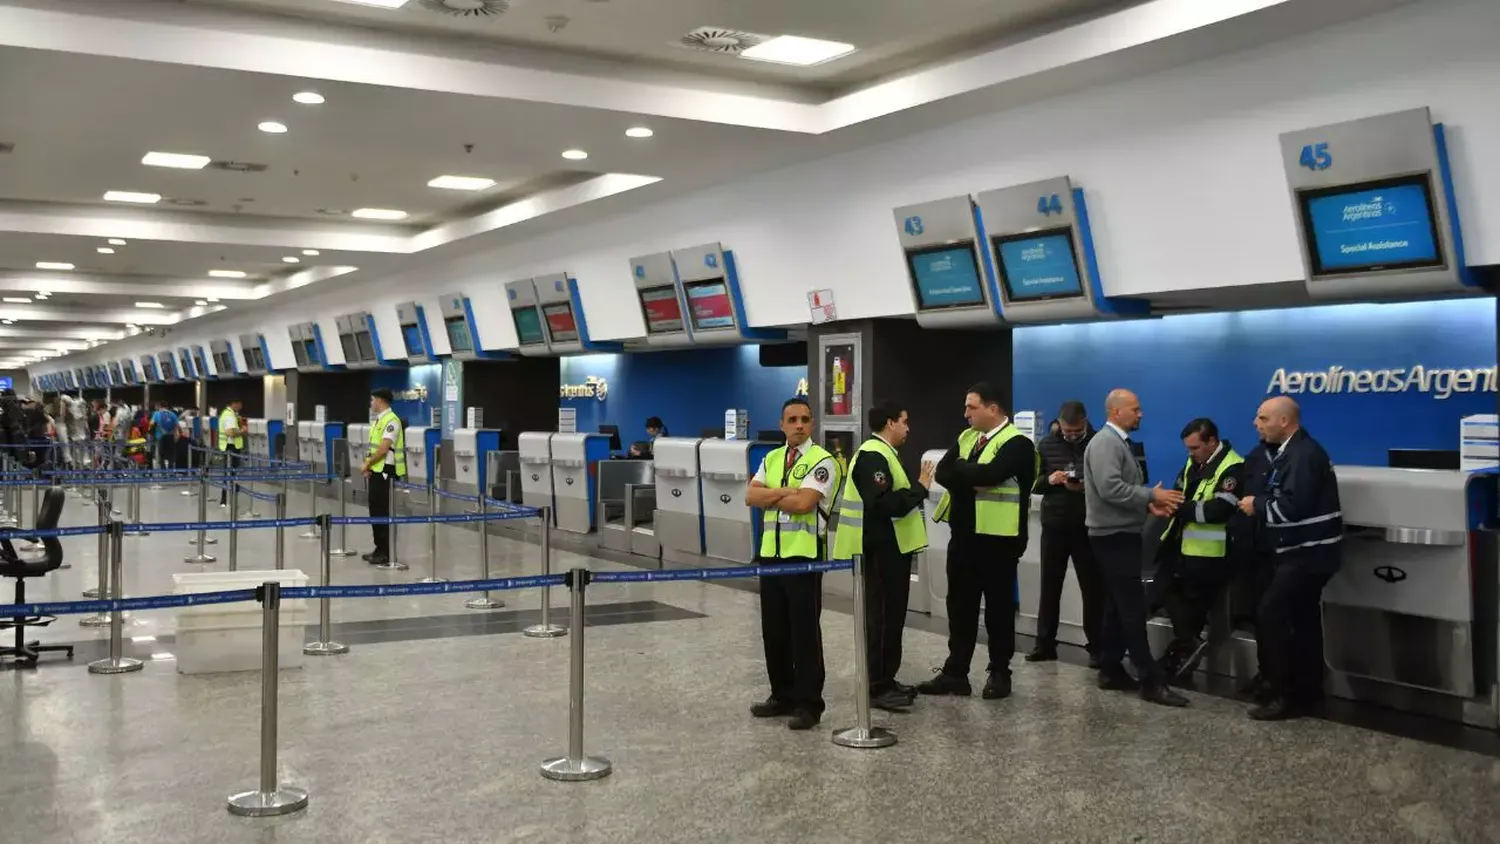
(1371, 209)
(1439, 383)
(1034, 253)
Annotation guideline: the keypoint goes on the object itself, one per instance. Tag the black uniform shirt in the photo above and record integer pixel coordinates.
(882, 504)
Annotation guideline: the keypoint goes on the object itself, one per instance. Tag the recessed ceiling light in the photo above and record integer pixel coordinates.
(115, 241)
(15, 300)
(308, 98)
(794, 49)
(291, 259)
(379, 4)
(200, 303)
(461, 183)
(41, 297)
(574, 154)
(132, 196)
(105, 250)
(639, 132)
(7, 322)
(210, 298)
(272, 127)
(181, 161)
(227, 273)
(149, 305)
(53, 265)
(312, 253)
(378, 214)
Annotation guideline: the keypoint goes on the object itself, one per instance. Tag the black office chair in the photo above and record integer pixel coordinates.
(25, 654)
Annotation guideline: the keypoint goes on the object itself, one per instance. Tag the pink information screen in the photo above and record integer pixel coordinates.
(663, 311)
(560, 322)
(709, 302)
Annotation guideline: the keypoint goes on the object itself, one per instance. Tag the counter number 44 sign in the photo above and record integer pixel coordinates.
(820, 303)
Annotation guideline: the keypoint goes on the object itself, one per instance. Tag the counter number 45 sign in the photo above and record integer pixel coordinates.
(1315, 157)
(820, 303)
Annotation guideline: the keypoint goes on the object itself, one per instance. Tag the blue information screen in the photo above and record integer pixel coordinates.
(945, 277)
(412, 334)
(1038, 265)
(1374, 226)
(528, 325)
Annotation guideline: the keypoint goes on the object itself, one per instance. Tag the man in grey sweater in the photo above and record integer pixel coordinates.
(1116, 503)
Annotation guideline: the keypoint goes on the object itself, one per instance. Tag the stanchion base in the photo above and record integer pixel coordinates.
(264, 804)
(206, 541)
(94, 620)
(156, 487)
(91, 593)
(397, 566)
(324, 648)
(201, 559)
(308, 535)
(134, 532)
(576, 770)
(484, 604)
(123, 665)
(433, 580)
(544, 631)
(863, 738)
(188, 493)
(342, 552)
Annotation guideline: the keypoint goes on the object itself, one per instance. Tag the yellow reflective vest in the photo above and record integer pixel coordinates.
(1201, 539)
(997, 509)
(397, 452)
(793, 535)
(849, 536)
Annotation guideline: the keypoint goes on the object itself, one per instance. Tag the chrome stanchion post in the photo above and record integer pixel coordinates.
(392, 542)
(190, 492)
(342, 550)
(116, 662)
(101, 591)
(325, 646)
(861, 735)
(312, 508)
(546, 629)
(234, 529)
(575, 766)
(485, 602)
(280, 531)
(271, 798)
(202, 557)
(434, 507)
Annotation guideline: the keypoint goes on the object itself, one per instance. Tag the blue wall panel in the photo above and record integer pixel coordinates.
(404, 379)
(689, 389)
(1223, 365)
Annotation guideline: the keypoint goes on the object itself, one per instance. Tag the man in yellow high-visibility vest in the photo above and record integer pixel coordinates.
(790, 490)
(231, 439)
(387, 462)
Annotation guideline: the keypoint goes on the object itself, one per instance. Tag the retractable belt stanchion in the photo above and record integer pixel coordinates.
(234, 530)
(202, 557)
(101, 591)
(484, 602)
(862, 735)
(391, 541)
(343, 550)
(271, 798)
(312, 504)
(546, 629)
(434, 508)
(116, 662)
(325, 646)
(280, 531)
(36, 503)
(575, 766)
(189, 491)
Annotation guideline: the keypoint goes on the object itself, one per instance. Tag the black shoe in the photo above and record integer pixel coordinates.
(997, 687)
(1279, 709)
(804, 719)
(771, 708)
(1041, 654)
(1095, 661)
(378, 559)
(1161, 693)
(1117, 680)
(909, 691)
(367, 556)
(892, 701)
(946, 684)
(1259, 690)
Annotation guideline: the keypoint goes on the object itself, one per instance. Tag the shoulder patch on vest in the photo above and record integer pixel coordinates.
(821, 474)
(880, 479)
(1229, 484)
(799, 472)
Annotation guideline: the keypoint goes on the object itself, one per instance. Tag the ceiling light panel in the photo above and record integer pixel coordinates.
(132, 196)
(105, 250)
(149, 305)
(794, 49)
(291, 259)
(271, 127)
(181, 161)
(308, 98)
(53, 265)
(15, 300)
(575, 154)
(115, 241)
(311, 252)
(227, 273)
(378, 214)
(461, 183)
(639, 132)
(379, 4)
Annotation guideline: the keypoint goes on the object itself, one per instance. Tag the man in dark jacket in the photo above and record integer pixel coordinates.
(1064, 534)
(988, 475)
(1302, 519)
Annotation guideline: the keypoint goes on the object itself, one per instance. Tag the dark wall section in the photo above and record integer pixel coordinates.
(248, 390)
(516, 395)
(345, 394)
(176, 394)
(131, 395)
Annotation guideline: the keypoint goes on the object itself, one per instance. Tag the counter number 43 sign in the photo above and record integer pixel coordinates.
(820, 303)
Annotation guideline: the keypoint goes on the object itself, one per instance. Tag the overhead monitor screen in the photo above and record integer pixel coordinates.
(528, 325)
(1038, 265)
(168, 371)
(560, 322)
(351, 349)
(187, 365)
(662, 309)
(310, 348)
(255, 358)
(412, 334)
(1373, 226)
(458, 334)
(366, 343)
(945, 276)
(224, 362)
(708, 302)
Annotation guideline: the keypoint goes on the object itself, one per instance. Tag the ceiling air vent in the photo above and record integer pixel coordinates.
(468, 8)
(237, 166)
(185, 203)
(716, 39)
(6, 149)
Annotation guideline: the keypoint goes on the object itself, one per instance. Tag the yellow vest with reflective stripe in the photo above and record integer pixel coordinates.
(997, 509)
(1200, 539)
(398, 448)
(849, 536)
(800, 532)
(229, 419)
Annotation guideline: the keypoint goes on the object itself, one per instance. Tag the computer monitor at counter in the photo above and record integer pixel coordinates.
(613, 431)
(1424, 458)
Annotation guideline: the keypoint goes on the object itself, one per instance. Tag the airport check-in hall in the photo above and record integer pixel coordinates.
(1076, 423)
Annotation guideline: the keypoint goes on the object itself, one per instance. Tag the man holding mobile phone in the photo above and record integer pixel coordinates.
(1064, 534)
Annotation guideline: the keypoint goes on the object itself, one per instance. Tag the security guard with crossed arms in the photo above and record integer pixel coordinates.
(387, 462)
(794, 490)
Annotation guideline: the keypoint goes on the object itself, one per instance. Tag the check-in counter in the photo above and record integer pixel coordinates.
(730, 529)
(503, 469)
(421, 453)
(626, 501)
(256, 442)
(357, 441)
(316, 445)
(574, 460)
(303, 452)
(535, 454)
(679, 500)
(471, 449)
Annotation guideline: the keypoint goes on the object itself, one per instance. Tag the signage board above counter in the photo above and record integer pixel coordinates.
(548, 315)
(692, 297)
(257, 354)
(413, 321)
(463, 333)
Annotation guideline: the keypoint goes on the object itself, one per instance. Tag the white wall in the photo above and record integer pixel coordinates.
(1182, 170)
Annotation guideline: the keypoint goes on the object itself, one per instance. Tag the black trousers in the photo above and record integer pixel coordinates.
(1059, 544)
(1187, 590)
(1124, 628)
(1289, 633)
(791, 628)
(887, 590)
(231, 461)
(166, 452)
(972, 575)
(380, 507)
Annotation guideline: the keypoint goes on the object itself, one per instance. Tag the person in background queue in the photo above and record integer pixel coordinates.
(1064, 534)
(387, 462)
(1196, 558)
(987, 476)
(231, 440)
(1116, 502)
(880, 516)
(790, 489)
(1303, 520)
(164, 435)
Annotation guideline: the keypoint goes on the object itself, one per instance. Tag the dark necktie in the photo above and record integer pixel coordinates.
(791, 460)
(984, 440)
